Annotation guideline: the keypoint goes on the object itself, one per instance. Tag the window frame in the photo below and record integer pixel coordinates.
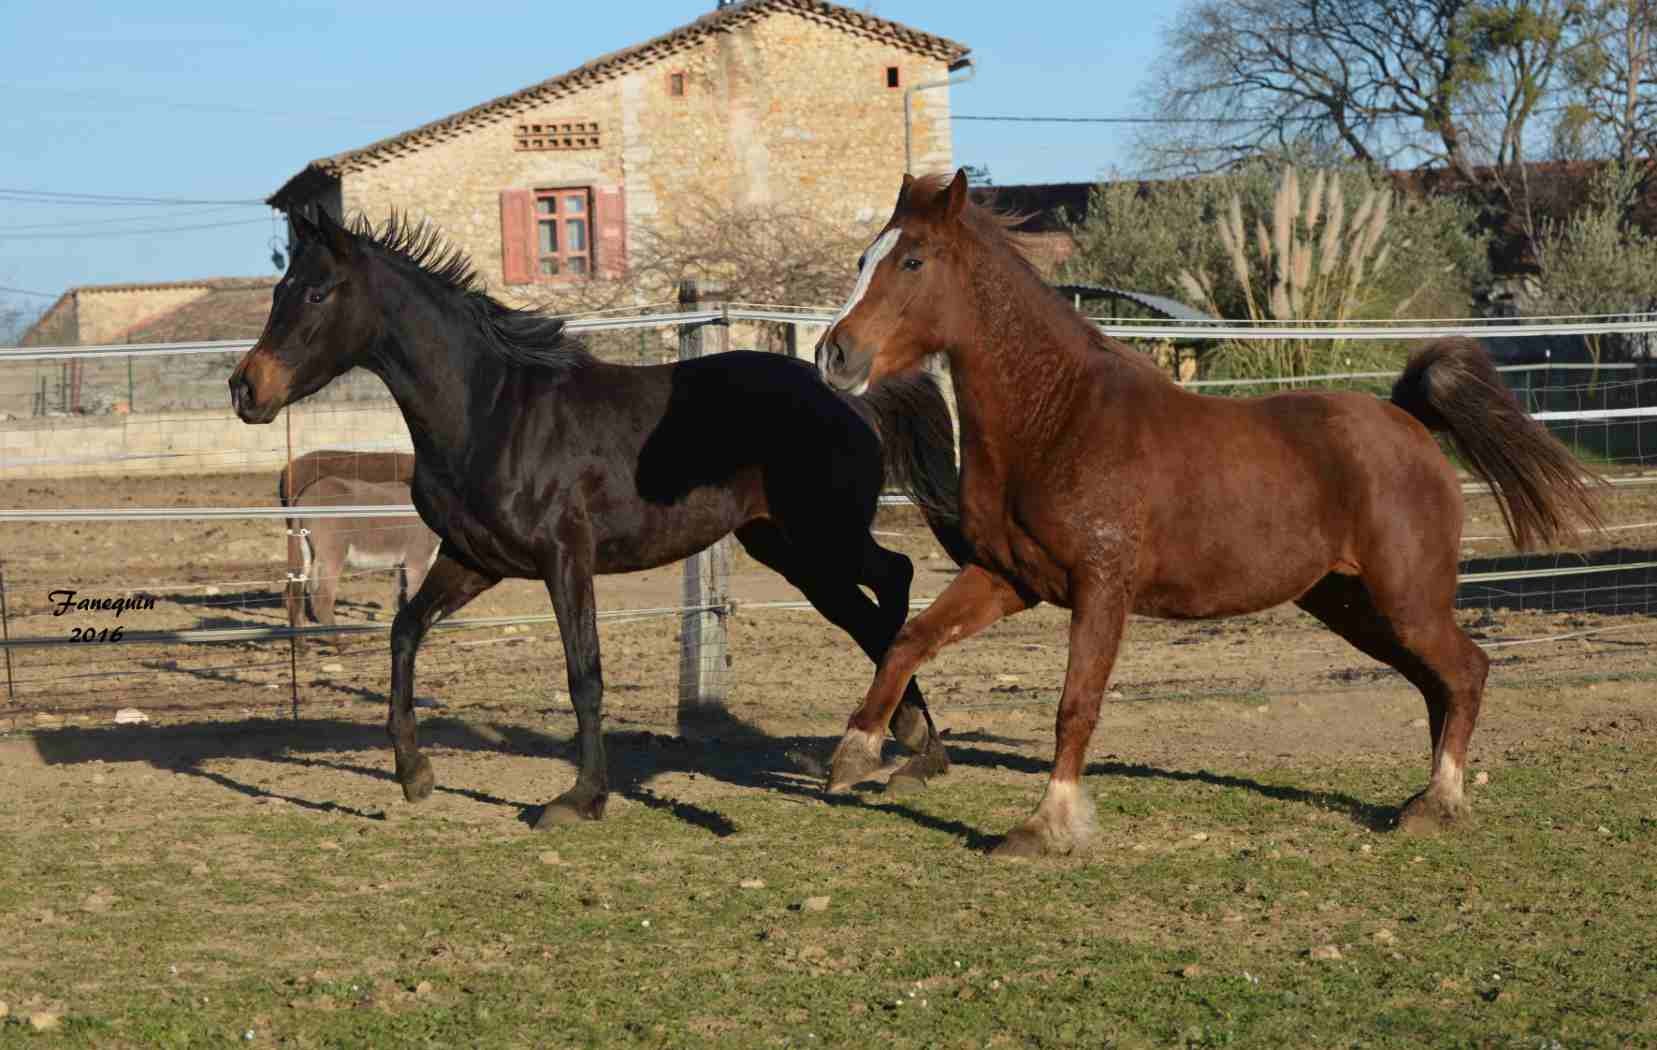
(561, 220)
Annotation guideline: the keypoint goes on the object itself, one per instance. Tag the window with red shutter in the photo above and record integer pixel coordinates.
(610, 208)
(563, 234)
(517, 236)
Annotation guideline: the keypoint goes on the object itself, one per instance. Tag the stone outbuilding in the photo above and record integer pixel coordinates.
(795, 103)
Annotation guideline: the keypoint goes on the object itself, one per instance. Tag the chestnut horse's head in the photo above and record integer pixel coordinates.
(320, 326)
(910, 283)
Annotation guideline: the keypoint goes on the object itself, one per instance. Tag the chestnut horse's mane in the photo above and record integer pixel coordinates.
(997, 231)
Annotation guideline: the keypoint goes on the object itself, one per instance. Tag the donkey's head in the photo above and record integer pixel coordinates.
(321, 322)
(911, 284)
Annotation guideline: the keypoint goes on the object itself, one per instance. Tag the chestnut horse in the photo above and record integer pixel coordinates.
(536, 460)
(1090, 480)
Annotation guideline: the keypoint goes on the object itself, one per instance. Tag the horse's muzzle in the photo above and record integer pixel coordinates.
(840, 369)
(242, 399)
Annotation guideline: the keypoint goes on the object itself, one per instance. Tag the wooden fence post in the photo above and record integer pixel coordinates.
(704, 653)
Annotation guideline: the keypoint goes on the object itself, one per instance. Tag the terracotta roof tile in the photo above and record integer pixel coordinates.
(234, 308)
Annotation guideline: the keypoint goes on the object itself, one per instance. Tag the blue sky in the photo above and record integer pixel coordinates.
(217, 103)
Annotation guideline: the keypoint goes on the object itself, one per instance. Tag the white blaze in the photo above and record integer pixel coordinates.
(871, 260)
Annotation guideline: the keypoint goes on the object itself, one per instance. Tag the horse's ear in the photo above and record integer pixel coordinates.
(955, 198)
(338, 239)
(303, 228)
(903, 191)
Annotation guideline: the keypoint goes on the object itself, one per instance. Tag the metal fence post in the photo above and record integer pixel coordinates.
(6, 633)
(704, 651)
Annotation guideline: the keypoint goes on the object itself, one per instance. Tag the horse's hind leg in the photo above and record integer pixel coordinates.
(889, 575)
(1414, 631)
(835, 594)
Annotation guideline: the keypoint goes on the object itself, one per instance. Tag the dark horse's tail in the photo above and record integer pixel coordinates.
(1544, 494)
(917, 438)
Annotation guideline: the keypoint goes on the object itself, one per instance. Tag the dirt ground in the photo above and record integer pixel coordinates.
(208, 574)
(225, 871)
(790, 673)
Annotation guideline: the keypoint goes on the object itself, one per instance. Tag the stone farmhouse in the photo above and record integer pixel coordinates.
(794, 103)
(155, 312)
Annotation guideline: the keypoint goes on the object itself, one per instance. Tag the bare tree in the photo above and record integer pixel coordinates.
(1361, 79)
(1454, 82)
(1612, 80)
(1524, 47)
(14, 321)
(754, 253)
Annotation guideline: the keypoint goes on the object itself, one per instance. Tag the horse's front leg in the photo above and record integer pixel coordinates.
(569, 580)
(973, 600)
(446, 588)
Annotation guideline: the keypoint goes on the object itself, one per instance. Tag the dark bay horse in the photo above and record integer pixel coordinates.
(1090, 480)
(534, 460)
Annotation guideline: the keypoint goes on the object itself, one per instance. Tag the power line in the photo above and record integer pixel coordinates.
(1311, 118)
(125, 219)
(25, 291)
(1107, 120)
(56, 197)
(131, 233)
(199, 107)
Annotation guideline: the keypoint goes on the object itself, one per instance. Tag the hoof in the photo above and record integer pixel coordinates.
(904, 783)
(1025, 841)
(418, 781)
(572, 807)
(933, 762)
(1428, 815)
(854, 761)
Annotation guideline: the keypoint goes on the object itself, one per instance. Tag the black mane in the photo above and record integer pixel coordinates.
(521, 337)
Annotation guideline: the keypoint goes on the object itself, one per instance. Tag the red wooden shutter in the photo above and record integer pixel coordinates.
(610, 202)
(517, 236)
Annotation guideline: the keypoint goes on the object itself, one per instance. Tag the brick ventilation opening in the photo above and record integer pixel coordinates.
(557, 135)
(676, 85)
(891, 76)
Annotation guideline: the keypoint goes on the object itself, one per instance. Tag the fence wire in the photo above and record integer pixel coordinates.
(169, 399)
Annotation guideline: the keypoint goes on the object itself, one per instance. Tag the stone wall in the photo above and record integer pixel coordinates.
(208, 442)
(785, 110)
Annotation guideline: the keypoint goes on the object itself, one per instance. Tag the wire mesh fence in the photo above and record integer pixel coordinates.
(179, 508)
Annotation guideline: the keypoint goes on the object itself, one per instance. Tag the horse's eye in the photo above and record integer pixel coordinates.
(316, 295)
(911, 263)
(861, 259)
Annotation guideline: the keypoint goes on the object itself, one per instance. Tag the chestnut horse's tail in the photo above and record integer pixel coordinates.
(917, 439)
(1543, 492)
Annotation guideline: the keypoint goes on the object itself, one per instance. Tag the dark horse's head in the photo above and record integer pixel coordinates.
(321, 323)
(909, 286)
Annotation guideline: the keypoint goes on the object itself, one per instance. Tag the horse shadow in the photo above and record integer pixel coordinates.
(716, 744)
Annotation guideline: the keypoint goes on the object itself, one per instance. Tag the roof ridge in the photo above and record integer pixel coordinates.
(611, 64)
(211, 283)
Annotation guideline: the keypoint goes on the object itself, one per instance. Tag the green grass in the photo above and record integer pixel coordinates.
(1533, 928)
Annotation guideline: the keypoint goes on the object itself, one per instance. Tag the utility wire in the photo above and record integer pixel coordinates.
(130, 233)
(199, 107)
(58, 197)
(125, 219)
(1310, 118)
(25, 291)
